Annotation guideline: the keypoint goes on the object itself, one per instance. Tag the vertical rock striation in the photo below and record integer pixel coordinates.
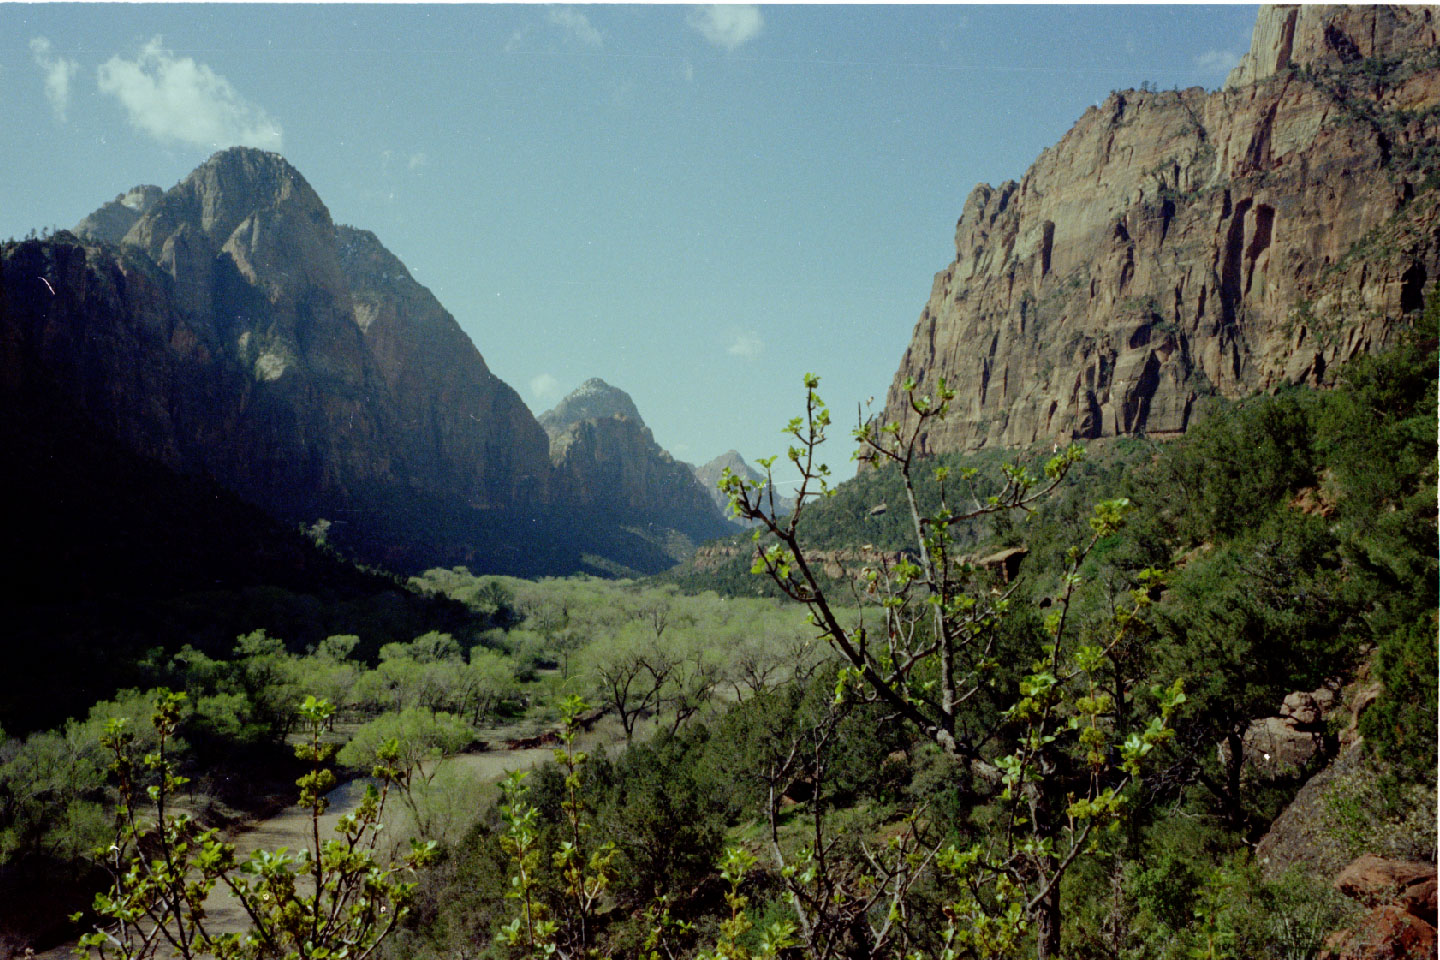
(354, 383)
(464, 431)
(1180, 244)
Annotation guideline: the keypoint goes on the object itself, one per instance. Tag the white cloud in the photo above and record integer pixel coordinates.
(746, 345)
(58, 72)
(1217, 61)
(176, 99)
(577, 25)
(727, 25)
(417, 160)
(544, 387)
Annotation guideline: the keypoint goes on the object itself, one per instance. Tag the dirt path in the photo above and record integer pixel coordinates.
(292, 829)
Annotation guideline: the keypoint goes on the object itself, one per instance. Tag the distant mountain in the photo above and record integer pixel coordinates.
(592, 400)
(709, 477)
(608, 460)
(227, 328)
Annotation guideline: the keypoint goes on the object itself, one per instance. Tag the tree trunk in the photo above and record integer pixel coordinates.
(1047, 925)
(1235, 812)
(1046, 913)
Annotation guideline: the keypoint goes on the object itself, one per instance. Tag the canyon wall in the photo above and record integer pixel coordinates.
(1181, 244)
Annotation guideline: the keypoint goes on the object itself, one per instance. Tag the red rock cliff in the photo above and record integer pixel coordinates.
(1179, 244)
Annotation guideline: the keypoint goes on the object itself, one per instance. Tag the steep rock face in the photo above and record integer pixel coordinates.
(1179, 244)
(1319, 37)
(607, 460)
(464, 429)
(99, 333)
(237, 332)
(592, 400)
(251, 251)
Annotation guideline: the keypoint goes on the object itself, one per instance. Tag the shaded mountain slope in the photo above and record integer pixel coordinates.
(112, 554)
(229, 329)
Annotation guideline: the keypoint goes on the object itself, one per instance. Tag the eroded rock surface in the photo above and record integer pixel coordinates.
(332, 375)
(228, 327)
(1180, 244)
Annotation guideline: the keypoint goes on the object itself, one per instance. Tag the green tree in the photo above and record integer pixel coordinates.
(410, 747)
(1050, 756)
(1267, 613)
(1377, 432)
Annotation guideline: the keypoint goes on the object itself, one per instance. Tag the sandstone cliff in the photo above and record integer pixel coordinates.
(466, 432)
(592, 400)
(1180, 244)
(607, 460)
(113, 220)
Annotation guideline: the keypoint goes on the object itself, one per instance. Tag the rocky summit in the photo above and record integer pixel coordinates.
(1181, 244)
(592, 400)
(228, 328)
(608, 460)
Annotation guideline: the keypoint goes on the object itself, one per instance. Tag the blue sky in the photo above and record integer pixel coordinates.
(696, 204)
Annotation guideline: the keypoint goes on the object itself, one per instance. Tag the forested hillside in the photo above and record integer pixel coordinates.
(1198, 630)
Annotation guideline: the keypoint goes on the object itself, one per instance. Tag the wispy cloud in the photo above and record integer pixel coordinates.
(175, 99)
(517, 39)
(746, 344)
(57, 71)
(1218, 61)
(727, 25)
(577, 25)
(391, 161)
(544, 387)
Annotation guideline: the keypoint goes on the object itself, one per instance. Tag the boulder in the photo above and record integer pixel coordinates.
(1385, 933)
(1274, 742)
(1419, 899)
(1301, 708)
(1374, 880)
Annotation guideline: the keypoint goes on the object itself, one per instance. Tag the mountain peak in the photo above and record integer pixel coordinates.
(709, 477)
(234, 183)
(592, 400)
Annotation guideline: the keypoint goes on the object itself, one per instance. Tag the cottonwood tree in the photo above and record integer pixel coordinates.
(1044, 749)
(412, 746)
(694, 674)
(629, 674)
